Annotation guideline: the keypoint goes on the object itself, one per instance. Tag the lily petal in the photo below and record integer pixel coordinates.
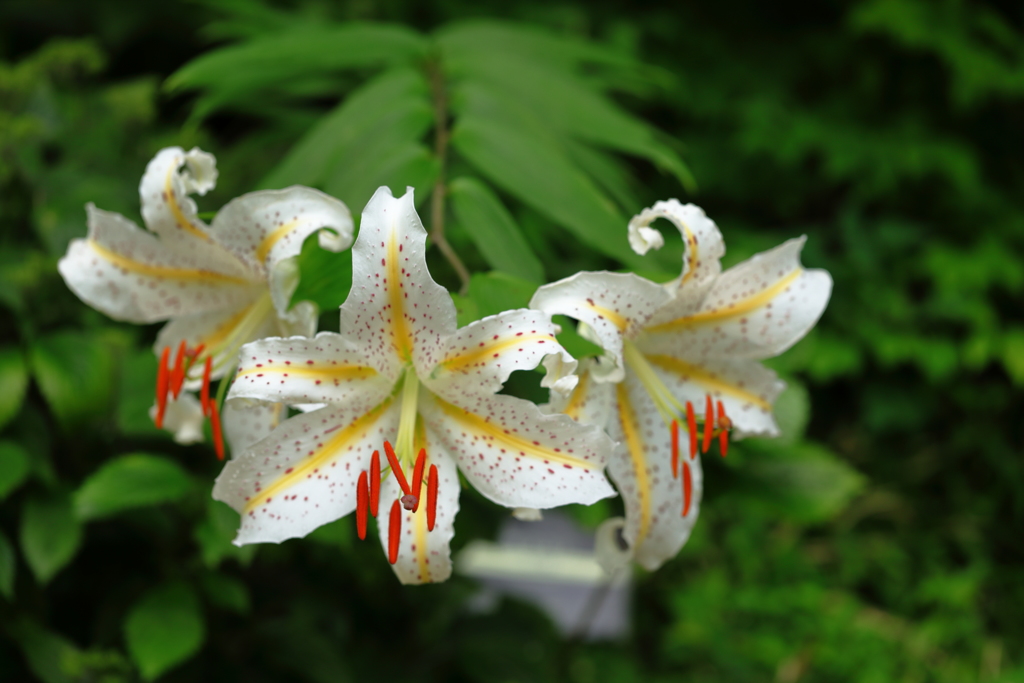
(264, 229)
(164, 193)
(519, 457)
(325, 369)
(704, 246)
(130, 275)
(591, 402)
(479, 358)
(424, 556)
(641, 468)
(757, 309)
(613, 305)
(746, 388)
(395, 310)
(304, 474)
(184, 418)
(247, 421)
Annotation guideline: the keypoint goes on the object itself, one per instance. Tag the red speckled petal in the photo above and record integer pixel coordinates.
(325, 369)
(757, 309)
(519, 457)
(395, 311)
(168, 210)
(304, 474)
(425, 556)
(246, 421)
(613, 305)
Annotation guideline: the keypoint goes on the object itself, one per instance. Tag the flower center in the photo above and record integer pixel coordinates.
(368, 485)
(672, 411)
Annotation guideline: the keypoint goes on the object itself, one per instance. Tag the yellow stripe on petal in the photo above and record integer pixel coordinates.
(733, 310)
(172, 203)
(635, 446)
(273, 238)
(511, 442)
(608, 314)
(312, 371)
(319, 457)
(707, 379)
(164, 272)
(403, 340)
(579, 395)
(486, 351)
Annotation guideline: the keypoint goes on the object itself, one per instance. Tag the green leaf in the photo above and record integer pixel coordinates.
(227, 592)
(395, 100)
(50, 535)
(792, 411)
(376, 162)
(805, 481)
(234, 72)
(136, 389)
(493, 230)
(466, 310)
(13, 382)
(14, 467)
(538, 173)
(1013, 354)
(215, 533)
(8, 566)
(325, 277)
(47, 653)
(75, 374)
(496, 292)
(164, 628)
(571, 340)
(128, 482)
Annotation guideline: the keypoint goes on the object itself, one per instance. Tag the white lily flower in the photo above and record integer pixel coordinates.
(400, 372)
(681, 353)
(219, 285)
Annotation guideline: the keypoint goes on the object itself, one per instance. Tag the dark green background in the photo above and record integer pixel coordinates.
(888, 131)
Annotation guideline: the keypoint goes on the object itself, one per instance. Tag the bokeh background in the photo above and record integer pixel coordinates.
(880, 539)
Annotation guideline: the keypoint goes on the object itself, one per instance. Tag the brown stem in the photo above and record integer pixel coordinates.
(441, 152)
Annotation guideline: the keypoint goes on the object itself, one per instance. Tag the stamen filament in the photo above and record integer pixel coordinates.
(417, 477)
(394, 531)
(709, 425)
(204, 392)
(227, 349)
(723, 430)
(431, 497)
(178, 373)
(362, 504)
(691, 427)
(374, 483)
(161, 386)
(675, 449)
(687, 488)
(396, 468)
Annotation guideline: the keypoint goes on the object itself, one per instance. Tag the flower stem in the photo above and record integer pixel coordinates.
(441, 135)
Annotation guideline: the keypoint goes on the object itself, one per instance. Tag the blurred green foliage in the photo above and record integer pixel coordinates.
(877, 540)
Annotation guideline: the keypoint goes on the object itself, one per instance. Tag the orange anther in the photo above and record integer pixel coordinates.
(431, 497)
(362, 504)
(178, 373)
(196, 352)
(691, 427)
(161, 386)
(724, 423)
(394, 531)
(417, 477)
(709, 425)
(687, 488)
(218, 440)
(204, 392)
(675, 449)
(374, 482)
(396, 468)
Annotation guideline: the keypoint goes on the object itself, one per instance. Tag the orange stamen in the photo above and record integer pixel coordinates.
(397, 469)
(374, 483)
(723, 430)
(198, 351)
(431, 497)
(161, 386)
(709, 425)
(691, 427)
(417, 477)
(687, 488)
(675, 449)
(394, 531)
(362, 504)
(178, 373)
(204, 393)
(218, 440)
